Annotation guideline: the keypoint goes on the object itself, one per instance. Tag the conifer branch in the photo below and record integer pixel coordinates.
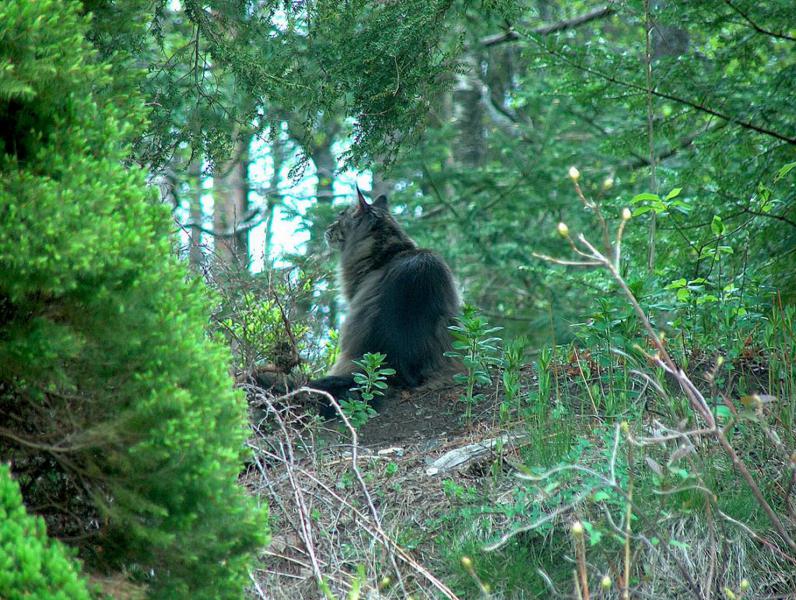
(512, 35)
(758, 28)
(698, 106)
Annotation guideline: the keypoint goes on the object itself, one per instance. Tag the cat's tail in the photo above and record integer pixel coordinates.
(337, 386)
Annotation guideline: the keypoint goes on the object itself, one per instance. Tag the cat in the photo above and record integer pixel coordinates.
(401, 300)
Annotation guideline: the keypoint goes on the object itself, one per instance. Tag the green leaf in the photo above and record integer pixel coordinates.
(676, 284)
(595, 535)
(674, 193)
(646, 196)
(784, 170)
(722, 412)
(717, 226)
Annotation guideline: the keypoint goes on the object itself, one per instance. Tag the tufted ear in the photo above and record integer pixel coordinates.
(362, 203)
(381, 202)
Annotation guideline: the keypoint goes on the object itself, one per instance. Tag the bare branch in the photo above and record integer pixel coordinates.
(790, 139)
(248, 222)
(698, 403)
(756, 27)
(511, 35)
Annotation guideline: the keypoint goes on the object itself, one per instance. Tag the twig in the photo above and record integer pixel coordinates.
(695, 397)
(305, 520)
(628, 516)
(381, 538)
(758, 28)
(511, 35)
(650, 131)
(790, 139)
(258, 589)
(355, 467)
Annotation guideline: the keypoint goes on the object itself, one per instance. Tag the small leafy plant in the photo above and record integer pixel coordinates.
(513, 354)
(477, 349)
(371, 382)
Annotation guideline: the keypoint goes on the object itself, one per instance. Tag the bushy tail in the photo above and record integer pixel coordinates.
(339, 387)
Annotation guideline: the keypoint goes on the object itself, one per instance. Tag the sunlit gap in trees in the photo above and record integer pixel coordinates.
(289, 233)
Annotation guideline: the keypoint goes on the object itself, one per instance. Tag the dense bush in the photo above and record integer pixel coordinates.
(116, 410)
(31, 565)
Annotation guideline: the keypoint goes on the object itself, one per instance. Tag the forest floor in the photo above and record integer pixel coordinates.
(424, 487)
(316, 501)
(420, 417)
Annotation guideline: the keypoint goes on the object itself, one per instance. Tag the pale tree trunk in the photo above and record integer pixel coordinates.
(325, 166)
(666, 39)
(231, 206)
(274, 198)
(317, 144)
(661, 41)
(500, 74)
(195, 253)
(381, 184)
(468, 115)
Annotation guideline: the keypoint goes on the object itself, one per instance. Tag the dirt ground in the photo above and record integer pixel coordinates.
(319, 508)
(409, 418)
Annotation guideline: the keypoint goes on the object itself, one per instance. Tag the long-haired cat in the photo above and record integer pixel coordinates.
(401, 299)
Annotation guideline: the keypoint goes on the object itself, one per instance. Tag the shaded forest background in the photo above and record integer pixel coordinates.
(168, 170)
(468, 115)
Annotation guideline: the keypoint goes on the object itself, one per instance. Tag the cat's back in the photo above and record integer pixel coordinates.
(414, 302)
(419, 281)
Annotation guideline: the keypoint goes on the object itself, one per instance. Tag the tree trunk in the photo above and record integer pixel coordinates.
(195, 253)
(325, 166)
(274, 198)
(667, 40)
(468, 114)
(230, 208)
(381, 184)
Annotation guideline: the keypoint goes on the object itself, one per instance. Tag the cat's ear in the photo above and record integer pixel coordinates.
(362, 203)
(381, 202)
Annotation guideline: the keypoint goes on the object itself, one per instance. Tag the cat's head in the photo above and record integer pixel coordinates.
(359, 221)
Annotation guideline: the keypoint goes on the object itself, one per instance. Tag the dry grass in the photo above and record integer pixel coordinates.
(321, 512)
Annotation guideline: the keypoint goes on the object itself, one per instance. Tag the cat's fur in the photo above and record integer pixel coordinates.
(401, 299)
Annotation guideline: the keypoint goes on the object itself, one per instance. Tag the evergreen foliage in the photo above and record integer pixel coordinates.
(32, 565)
(679, 113)
(576, 95)
(117, 410)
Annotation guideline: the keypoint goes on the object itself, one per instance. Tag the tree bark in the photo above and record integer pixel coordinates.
(230, 207)
(468, 115)
(325, 165)
(381, 184)
(666, 39)
(274, 198)
(195, 253)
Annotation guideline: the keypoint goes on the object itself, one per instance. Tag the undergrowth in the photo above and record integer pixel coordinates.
(649, 455)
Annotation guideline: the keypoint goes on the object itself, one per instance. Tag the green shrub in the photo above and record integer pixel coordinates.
(118, 411)
(31, 565)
